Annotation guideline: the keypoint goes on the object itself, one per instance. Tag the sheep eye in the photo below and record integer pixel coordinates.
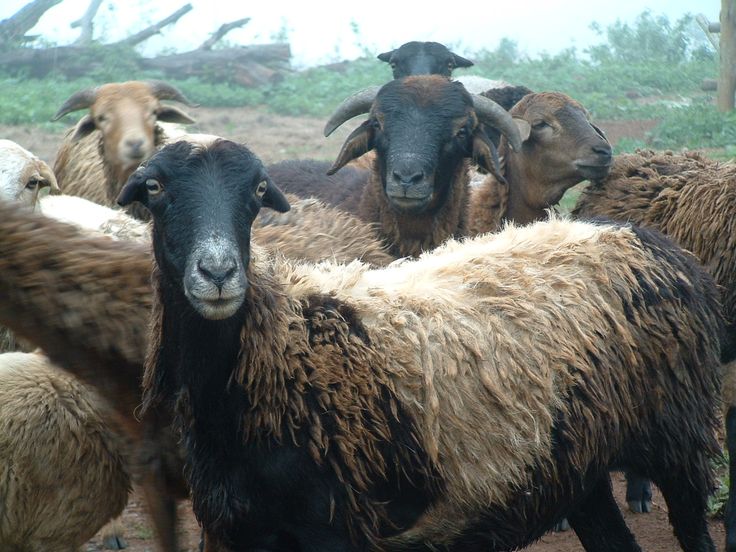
(261, 189)
(539, 125)
(153, 186)
(101, 118)
(462, 133)
(450, 65)
(33, 184)
(393, 65)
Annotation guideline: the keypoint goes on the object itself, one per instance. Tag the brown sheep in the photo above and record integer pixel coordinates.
(560, 148)
(424, 131)
(692, 199)
(121, 130)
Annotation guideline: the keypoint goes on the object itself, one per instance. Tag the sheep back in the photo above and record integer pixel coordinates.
(688, 197)
(313, 231)
(62, 469)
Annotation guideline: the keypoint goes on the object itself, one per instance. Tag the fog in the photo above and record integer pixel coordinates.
(323, 32)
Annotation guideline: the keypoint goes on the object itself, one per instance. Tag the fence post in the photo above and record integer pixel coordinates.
(727, 79)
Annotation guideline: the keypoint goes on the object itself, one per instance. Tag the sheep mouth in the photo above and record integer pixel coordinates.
(410, 205)
(215, 306)
(593, 171)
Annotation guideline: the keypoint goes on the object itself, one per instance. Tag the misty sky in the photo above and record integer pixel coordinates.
(321, 32)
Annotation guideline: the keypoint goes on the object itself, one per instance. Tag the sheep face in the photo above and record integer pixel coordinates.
(22, 174)
(561, 147)
(126, 115)
(422, 128)
(423, 58)
(203, 200)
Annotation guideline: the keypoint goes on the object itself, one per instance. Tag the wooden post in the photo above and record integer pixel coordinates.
(727, 79)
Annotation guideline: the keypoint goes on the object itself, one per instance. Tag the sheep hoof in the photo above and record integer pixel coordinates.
(640, 506)
(114, 542)
(561, 526)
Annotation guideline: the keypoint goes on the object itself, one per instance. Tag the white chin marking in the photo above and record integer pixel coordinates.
(216, 310)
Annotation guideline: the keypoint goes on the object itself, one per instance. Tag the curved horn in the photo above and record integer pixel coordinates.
(490, 112)
(165, 91)
(79, 100)
(355, 104)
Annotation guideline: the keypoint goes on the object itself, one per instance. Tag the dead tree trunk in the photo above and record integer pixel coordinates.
(727, 79)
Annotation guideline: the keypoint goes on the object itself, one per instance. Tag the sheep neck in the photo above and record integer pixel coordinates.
(410, 235)
(518, 210)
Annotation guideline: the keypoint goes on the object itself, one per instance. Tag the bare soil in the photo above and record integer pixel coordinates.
(275, 138)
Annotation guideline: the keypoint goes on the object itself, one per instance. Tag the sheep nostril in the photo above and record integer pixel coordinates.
(217, 271)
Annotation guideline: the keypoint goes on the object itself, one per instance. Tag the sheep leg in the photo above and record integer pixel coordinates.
(638, 493)
(730, 519)
(685, 490)
(161, 506)
(112, 535)
(598, 523)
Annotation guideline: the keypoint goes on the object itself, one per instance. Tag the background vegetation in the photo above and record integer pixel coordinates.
(651, 69)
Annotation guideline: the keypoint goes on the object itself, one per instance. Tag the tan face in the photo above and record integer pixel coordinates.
(127, 125)
(22, 175)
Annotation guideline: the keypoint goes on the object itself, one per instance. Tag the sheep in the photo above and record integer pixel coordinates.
(23, 175)
(561, 147)
(462, 401)
(423, 58)
(86, 301)
(62, 469)
(423, 130)
(692, 199)
(122, 129)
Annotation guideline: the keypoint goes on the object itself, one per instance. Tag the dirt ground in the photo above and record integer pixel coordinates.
(275, 138)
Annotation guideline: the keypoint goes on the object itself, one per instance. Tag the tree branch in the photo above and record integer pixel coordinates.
(222, 31)
(85, 22)
(14, 27)
(154, 29)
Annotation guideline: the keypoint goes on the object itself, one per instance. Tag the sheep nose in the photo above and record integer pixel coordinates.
(135, 147)
(408, 177)
(217, 270)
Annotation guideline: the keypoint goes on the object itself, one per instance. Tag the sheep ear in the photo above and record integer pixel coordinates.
(460, 61)
(525, 129)
(134, 190)
(85, 126)
(359, 142)
(386, 56)
(274, 198)
(171, 114)
(485, 155)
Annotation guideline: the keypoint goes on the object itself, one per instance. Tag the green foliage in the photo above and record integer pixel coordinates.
(697, 126)
(717, 501)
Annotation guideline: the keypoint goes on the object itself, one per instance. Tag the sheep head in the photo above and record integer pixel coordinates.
(22, 174)
(126, 115)
(423, 58)
(561, 148)
(203, 198)
(422, 129)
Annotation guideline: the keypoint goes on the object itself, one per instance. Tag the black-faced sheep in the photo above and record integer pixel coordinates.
(692, 199)
(560, 148)
(424, 131)
(122, 129)
(63, 470)
(423, 58)
(462, 401)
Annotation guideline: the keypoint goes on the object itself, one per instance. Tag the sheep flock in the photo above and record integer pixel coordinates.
(405, 347)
